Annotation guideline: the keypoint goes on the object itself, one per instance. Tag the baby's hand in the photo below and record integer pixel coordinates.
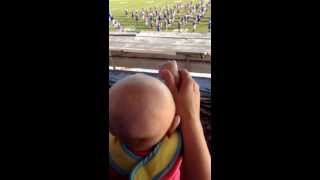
(170, 74)
(173, 68)
(186, 95)
(188, 98)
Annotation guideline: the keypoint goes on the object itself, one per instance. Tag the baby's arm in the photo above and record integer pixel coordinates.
(196, 157)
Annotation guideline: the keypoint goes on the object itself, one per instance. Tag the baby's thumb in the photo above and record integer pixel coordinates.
(169, 80)
(185, 79)
(174, 125)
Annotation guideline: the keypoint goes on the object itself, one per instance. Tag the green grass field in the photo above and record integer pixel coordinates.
(117, 8)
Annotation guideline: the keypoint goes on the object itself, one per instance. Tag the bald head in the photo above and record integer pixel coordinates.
(141, 110)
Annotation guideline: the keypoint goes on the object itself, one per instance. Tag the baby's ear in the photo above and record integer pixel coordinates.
(174, 125)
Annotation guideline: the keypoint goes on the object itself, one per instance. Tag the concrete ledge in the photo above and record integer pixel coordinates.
(154, 54)
(149, 50)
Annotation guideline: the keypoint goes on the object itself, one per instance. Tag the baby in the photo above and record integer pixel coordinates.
(144, 114)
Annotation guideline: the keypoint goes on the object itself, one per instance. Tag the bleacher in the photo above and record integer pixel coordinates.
(149, 50)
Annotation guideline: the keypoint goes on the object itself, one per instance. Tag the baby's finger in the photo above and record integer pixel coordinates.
(173, 68)
(169, 80)
(175, 124)
(196, 87)
(185, 79)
